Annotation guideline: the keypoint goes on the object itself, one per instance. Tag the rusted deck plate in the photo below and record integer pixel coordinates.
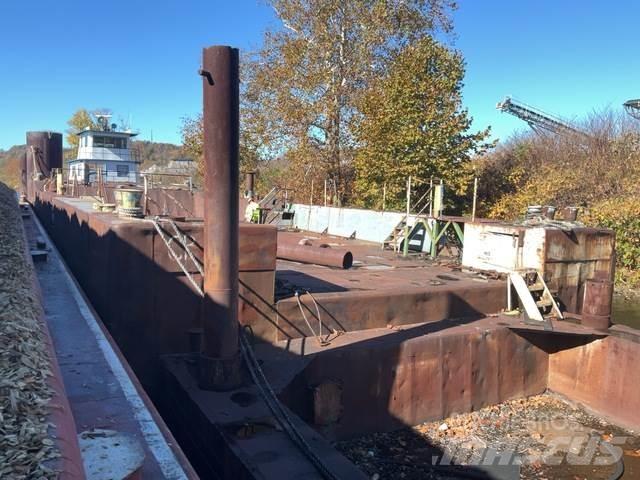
(388, 378)
(309, 346)
(381, 289)
(374, 270)
(234, 435)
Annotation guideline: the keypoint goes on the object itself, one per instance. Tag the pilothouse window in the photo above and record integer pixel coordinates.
(109, 142)
(123, 170)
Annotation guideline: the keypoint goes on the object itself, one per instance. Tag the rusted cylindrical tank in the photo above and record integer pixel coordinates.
(596, 306)
(44, 153)
(219, 366)
(47, 147)
(320, 255)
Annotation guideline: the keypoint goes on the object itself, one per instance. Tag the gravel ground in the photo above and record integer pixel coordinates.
(25, 444)
(548, 437)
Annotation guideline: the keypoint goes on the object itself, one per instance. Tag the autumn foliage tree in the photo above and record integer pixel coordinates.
(80, 119)
(413, 123)
(192, 144)
(356, 92)
(302, 88)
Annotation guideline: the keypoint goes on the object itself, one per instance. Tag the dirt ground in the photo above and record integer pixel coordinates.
(541, 437)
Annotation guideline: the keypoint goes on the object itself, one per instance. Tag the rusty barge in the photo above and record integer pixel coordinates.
(251, 365)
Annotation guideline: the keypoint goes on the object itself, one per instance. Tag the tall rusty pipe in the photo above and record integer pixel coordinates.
(219, 366)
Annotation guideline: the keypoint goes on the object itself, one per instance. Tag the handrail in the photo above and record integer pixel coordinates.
(428, 192)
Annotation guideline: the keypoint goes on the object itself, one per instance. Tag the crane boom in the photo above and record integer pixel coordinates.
(537, 119)
(632, 107)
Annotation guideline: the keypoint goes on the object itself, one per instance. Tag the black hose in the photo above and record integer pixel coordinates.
(272, 401)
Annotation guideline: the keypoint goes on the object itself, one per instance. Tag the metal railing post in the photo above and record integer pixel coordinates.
(325, 192)
(475, 197)
(384, 196)
(405, 251)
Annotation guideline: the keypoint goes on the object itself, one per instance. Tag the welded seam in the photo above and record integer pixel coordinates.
(166, 459)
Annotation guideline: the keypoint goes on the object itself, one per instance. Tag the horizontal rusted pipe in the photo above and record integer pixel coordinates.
(330, 257)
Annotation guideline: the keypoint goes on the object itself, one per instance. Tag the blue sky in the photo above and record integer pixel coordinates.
(140, 58)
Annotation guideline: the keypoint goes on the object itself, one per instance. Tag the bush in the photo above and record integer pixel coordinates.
(623, 216)
(599, 171)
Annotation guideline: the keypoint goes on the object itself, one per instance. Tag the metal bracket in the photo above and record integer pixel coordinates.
(207, 75)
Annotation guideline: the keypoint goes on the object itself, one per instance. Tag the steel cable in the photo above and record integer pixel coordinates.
(278, 410)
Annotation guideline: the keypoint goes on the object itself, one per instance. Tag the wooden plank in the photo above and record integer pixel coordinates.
(527, 300)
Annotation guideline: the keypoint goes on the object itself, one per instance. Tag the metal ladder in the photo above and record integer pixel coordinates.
(396, 237)
(535, 297)
(269, 202)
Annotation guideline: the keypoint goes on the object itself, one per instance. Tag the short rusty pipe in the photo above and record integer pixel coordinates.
(570, 214)
(249, 183)
(549, 212)
(219, 365)
(596, 307)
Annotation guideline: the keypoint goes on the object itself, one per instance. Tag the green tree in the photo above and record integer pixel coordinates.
(192, 140)
(192, 135)
(413, 124)
(78, 122)
(302, 87)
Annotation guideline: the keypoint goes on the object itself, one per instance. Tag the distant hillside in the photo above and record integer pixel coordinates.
(10, 165)
(150, 153)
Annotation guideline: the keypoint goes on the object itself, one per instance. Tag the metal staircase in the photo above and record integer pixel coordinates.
(273, 204)
(268, 199)
(396, 238)
(536, 299)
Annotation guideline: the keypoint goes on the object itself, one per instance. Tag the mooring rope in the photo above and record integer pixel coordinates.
(318, 337)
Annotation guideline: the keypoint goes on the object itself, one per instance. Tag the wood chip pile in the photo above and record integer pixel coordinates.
(25, 443)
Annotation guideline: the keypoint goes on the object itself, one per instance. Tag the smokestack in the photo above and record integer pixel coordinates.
(219, 366)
